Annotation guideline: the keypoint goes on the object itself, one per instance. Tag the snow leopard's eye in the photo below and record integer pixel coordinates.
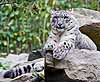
(55, 17)
(67, 19)
(53, 20)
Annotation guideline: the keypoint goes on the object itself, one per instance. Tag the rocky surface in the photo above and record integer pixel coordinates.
(93, 31)
(39, 53)
(85, 16)
(14, 60)
(89, 22)
(83, 65)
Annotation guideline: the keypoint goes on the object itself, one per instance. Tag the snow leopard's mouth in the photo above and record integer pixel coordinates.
(60, 27)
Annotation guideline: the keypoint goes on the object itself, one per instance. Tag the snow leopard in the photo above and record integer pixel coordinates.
(65, 35)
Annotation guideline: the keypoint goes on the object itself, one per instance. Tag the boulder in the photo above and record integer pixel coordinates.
(93, 31)
(16, 61)
(82, 65)
(89, 22)
(85, 16)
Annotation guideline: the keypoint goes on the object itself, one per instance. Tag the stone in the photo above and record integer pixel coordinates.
(85, 16)
(82, 65)
(93, 31)
(89, 22)
(35, 54)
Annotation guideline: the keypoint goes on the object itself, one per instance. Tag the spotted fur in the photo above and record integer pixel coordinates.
(19, 70)
(65, 35)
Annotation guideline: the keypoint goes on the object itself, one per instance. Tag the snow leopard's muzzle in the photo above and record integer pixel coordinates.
(60, 26)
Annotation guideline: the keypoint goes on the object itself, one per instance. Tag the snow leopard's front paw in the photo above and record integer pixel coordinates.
(60, 51)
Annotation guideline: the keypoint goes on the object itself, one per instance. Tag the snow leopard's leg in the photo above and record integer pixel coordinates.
(66, 43)
(51, 41)
(86, 43)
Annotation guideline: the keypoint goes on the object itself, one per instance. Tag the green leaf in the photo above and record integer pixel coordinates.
(12, 14)
(19, 38)
(30, 34)
(5, 43)
(11, 22)
(0, 42)
(17, 12)
(24, 39)
(11, 45)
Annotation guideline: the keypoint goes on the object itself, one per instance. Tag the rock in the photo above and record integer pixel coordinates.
(85, 16)
(56, 75)
(89, 22)
(82, 65)
(36, 54)
(23, 78)
(93, 31)
(14, 59)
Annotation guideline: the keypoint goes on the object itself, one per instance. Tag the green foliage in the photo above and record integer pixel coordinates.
(4, 66)
(24, 24)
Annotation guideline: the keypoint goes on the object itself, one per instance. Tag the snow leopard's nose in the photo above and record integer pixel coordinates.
(60, 24)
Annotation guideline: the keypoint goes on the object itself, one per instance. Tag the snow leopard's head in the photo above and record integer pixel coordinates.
(60, 19)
